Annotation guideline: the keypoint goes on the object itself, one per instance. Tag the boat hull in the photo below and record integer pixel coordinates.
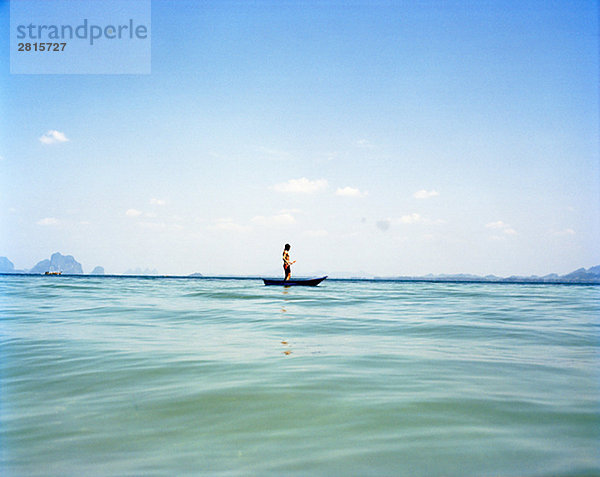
(307, 282)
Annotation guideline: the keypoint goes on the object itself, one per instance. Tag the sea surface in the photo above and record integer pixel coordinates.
(227, 377)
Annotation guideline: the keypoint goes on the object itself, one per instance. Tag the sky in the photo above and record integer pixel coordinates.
(380, 138)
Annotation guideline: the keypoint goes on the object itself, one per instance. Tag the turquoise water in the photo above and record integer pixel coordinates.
(137, 376)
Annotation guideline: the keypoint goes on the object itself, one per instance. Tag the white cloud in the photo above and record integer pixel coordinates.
(496, 225)
(48, 221)
(283, 218)
(133, 213)
(350, 192)
(52, 137)
(416, 218)
(411, 218)
(501, 226)
(157, 202)
(302, 186)
(564, 232)
(425, 194)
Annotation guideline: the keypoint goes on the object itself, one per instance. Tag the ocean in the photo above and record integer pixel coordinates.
(226, 377)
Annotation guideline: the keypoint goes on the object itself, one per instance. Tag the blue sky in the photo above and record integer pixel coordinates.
(385, 138)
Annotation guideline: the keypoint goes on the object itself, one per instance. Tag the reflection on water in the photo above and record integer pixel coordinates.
(285, 294)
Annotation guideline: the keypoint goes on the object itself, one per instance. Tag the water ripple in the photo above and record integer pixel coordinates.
(140, 376)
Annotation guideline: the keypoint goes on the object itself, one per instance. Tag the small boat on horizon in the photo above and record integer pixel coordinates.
(52, 273)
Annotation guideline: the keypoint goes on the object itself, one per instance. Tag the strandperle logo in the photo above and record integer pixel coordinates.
(80, 37)
(85, 31)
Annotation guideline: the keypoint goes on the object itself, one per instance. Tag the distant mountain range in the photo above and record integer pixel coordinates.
(581, 275)
(67, 265)
(138, 271)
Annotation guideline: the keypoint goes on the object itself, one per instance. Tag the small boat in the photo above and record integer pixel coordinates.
(307, 282)
(53, 273)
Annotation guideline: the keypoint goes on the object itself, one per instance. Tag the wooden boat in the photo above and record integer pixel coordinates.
(307, 282)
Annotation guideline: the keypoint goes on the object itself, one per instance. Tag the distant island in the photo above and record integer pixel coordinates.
(67, 265)
(57, 263)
